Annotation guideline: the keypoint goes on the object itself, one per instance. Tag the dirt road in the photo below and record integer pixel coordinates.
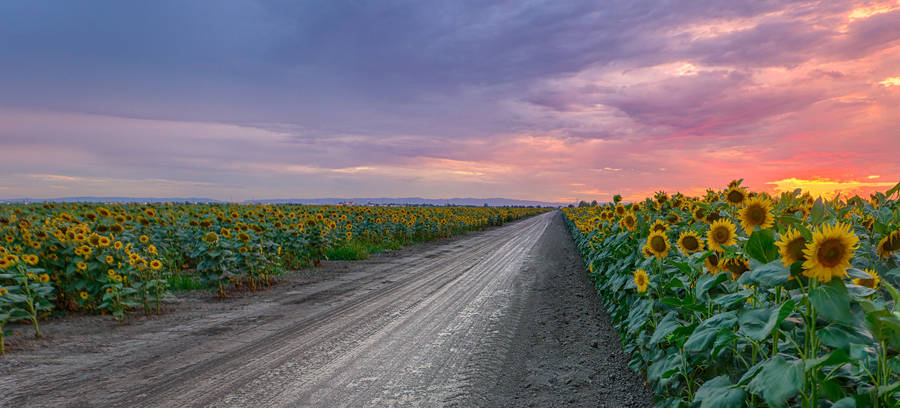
(502, 317)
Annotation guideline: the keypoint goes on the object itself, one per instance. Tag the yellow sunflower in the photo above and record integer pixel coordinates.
(628, 222)
(790, 246)
(699, 214)
(737, 266)
(658, 244)
(641, 280)
(711, 263)
(689, 242)
(829, 254)
(889, 244)
(757, 213)
(735, 195)
(721, 233)
(869, 282)
(155, 264)
(659, 226)
(83, 294)
(211, 237)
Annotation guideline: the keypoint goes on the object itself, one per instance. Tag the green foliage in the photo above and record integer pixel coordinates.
(741, 325)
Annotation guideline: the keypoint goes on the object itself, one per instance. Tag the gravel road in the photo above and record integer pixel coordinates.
(501, 317)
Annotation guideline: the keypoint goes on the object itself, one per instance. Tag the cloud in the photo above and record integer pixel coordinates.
(541, 99)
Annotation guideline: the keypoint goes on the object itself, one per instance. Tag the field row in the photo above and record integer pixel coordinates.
(741, 299)
(116, 259)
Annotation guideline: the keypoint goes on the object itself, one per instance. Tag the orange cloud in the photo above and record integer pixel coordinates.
(826, 187)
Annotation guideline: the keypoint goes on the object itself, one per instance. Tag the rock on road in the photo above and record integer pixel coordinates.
(501, 317)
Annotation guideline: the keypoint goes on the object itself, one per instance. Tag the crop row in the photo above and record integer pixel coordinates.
(741, 299)
(120, 258)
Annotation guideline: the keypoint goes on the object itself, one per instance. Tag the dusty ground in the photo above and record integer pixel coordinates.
(502, 317)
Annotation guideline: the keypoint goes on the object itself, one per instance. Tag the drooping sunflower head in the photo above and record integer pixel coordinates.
(871, 282)
(721, 234)
(757, 213)
(641, 280)
(889, 244)
(735, 195)
(658, 244)
(689, 242)
(659, 226)
(829, 253)
(711, 263)
(790, 246)
(737, 266)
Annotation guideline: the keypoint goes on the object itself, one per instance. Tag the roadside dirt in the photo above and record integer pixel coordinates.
(502, 317)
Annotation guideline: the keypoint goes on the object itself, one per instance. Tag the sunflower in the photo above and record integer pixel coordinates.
(243, 236)
(83, 295)
(871, 282)
(698, 213)
(117, 245)
(641, 280)
(5, 263)
(721, 233)
(689, 242)
(225, 232)
(155, 264)
(211, 237)
(735, 195)
(44, 278)
(635, 207)
(659, 226)
(144, 239)
(712, 263)
(81, 266)
(646, 251)
(658, 244)
(737, 266)
(629, 222)
(828, 255)
(620, 209)
(790, 246)
(889, 244)
(757, 213)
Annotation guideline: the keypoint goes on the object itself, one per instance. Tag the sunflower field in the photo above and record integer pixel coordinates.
(121, 258)
(740, 299)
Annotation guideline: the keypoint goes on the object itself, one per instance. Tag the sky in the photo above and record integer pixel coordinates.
(542, 100)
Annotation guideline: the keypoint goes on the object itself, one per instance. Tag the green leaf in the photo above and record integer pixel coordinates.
(817, 213)
(758, 323)
(777, 381)
(838, 356)
(761, 246)
(838, 336)
(847, 402)
(706, 282)
(832, 301)
(719, 392)
(705, 334)
(665, 327)
(770, 274)
(663, 368)
(884, 326)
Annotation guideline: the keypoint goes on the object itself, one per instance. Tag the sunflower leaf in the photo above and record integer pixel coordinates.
(817, 213)
(761, 246)
(719, 393)
(832, 301)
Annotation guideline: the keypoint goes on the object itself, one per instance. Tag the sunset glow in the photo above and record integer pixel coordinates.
(553, 101)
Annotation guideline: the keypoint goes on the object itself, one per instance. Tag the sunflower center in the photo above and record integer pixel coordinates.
(795, 249)
(736, 267)
(831, 252)
(690, 243)
(641, 280)
(659, 227)
(713, 259)
(735, 196)
(658, 244)
(756, 215)
(721, 235)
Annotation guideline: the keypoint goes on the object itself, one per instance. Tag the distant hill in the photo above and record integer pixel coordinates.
(492, 202)
(113, 200)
